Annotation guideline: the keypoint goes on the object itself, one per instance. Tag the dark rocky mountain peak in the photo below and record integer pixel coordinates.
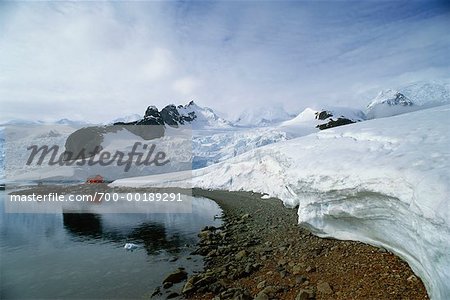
(170, 115)
(323, 115)
(398, 99)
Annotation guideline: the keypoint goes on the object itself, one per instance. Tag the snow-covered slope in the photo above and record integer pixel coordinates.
(385, 182)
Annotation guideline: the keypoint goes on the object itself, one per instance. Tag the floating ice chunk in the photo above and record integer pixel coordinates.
(130, 246)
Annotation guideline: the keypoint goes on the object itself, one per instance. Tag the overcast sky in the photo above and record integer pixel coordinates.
(97, 61)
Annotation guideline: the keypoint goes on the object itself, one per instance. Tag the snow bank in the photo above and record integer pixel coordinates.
(384, 182)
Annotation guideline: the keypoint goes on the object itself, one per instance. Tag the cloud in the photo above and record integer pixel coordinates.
(100, 59)
(186, 86)
(159, 65)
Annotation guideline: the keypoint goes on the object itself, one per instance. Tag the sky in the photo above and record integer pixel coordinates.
(96, 61)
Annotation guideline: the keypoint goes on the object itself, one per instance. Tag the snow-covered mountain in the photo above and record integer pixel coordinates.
(203, 117)
(195, 116)
(390, 98)
(389, 103)
(377, 181)
(263, 116)
(408, 98)
(68, 122)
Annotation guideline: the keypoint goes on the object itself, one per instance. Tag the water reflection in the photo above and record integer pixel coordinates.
(83, 225)
(154, 236)
(81, 255)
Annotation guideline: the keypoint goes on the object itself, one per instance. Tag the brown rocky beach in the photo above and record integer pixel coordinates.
(261, 253)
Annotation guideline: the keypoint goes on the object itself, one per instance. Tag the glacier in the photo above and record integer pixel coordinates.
(216, 145)
(383, 181)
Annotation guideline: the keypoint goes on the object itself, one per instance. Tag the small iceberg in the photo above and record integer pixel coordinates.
(130, 246)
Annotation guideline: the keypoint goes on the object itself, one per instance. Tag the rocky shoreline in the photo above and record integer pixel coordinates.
(261, 253)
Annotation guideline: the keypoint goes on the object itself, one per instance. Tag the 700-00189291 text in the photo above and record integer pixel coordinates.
(98, 196)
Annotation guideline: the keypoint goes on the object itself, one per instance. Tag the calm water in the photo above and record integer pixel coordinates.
(82, 255)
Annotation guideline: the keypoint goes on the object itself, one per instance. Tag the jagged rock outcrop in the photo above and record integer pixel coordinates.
(171, 116)
(333, 121)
